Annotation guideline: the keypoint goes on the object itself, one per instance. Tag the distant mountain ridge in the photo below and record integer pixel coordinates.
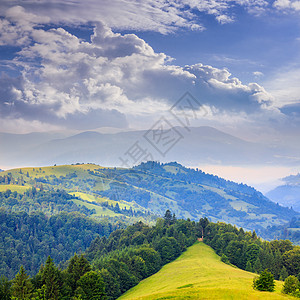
(287, 194)
(199, 145)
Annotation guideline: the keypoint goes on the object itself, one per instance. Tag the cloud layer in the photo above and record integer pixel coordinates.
(113, 79)
(153, 15)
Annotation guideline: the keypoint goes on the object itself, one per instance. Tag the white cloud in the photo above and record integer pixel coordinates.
(112, 80)
(258, 74)
(287, 5)
(284, 85)
(153, 15)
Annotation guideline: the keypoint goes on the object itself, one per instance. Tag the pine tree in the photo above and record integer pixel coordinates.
(22, 286)
(5, 293)
(51, 280)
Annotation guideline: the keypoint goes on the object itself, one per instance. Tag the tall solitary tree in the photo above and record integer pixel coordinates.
(168, 218)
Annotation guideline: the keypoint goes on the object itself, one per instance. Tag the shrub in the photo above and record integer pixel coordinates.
(291, 286)
(265, 282)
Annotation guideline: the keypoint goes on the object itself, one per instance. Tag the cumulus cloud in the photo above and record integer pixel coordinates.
(16, 28)
(111, 80)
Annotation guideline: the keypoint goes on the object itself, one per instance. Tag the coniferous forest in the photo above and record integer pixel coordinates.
(112, 265)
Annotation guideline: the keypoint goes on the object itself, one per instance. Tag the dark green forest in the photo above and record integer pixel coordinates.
(48, 202)
(37, 224)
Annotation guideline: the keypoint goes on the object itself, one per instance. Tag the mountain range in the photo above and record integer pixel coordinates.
(287, 194)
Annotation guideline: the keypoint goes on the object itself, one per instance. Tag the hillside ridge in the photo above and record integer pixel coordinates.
(199, 274)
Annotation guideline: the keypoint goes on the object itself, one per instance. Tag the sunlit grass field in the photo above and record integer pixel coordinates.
(14, 188)
(199, 274)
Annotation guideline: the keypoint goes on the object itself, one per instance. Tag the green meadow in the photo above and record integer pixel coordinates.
(199, 274)
(14, 188)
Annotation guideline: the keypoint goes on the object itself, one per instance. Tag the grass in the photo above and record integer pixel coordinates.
(100, 211)
(199, 274)
(61, 170)
(14, 188)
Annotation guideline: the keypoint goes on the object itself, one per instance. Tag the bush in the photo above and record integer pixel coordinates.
(265, 282)
(224, 259)
(291, 286)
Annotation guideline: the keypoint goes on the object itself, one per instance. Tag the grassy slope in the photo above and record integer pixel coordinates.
(199, 274)
(62, 170)
(13, 188)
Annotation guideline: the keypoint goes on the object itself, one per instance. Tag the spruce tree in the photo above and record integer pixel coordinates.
(290, 286)
(22, 286)
(77, 267)
(167, 218)
(51, 280)
(5, 292)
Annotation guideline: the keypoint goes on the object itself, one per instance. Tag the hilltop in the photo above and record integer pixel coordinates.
(199, 274)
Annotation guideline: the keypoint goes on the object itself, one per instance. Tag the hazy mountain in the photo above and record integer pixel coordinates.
(14, 146)
(287, 194)
(199, 145)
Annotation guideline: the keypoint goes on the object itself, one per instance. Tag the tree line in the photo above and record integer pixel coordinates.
(248, 252)
(117, 263)
(112, 265)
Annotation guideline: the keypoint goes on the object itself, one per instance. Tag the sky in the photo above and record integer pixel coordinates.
(86, 65)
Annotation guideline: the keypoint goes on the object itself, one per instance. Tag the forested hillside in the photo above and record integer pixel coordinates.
(132, 254)
(151, 188)
(28, 239)
(48, 214)
(199, 274)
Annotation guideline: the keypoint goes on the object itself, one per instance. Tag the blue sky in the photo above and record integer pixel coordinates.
(250, 44)
(90, 64)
